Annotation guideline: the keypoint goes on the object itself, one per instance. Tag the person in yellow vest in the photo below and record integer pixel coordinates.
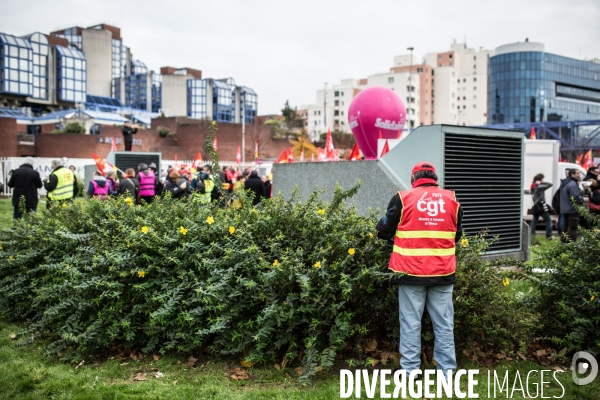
(203, 185)
(60, 184)
(425, 224)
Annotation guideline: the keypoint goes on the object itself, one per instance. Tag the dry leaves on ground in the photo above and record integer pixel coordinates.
(239, 374)
(191, 361)
(370, 345)
(156, 358)
(140, 376)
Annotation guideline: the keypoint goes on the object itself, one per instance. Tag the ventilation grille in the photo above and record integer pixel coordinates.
(485, 173)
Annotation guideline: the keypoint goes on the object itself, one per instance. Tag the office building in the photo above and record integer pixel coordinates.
(527, 84)
(92, 66)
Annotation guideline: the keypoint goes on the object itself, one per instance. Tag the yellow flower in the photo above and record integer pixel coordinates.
(351, 251)
(275, 263)
(371, 235)
(317, 264)
(183, 230)
(231, 230)
(129, 201)
(505, 281)
(465, 243)
(64, 204)
(141, 274)
(144, 229)
(592, 298)
(210, 220)
(0, 247)
(321, 212)
(11, 258)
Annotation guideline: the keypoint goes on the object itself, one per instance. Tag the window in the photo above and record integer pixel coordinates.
(464, 107)
(319, 112)
(341, 113)
(458, 107)
(474, 79)
(464, 79)
(336, 94)
(464, 97)
(474, 97)
(391, 79)
(439, 57)
(71, 74)
(341, 93)
(450, 56)
(459, 80)
(196, 98)
(336, 113)
(41, 51)
(336, 103)
(474, 66)
(474, 87)
(474, 105)
(450, 64)
(419, 70)
(474, 58)
(16, 69)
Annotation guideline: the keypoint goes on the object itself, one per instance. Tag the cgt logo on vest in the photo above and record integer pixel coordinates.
(432, 205)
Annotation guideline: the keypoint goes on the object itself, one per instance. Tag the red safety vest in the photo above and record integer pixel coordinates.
(424, 243)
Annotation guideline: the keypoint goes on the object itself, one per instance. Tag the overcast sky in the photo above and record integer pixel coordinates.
(287, 50)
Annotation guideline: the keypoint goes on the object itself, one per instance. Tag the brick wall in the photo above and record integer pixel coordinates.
(187, 137)
(8, 137)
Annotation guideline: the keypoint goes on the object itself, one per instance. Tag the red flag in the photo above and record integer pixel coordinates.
(113, 144)
(380, 137)
(329, 149)
(355, 154)
(283, 158)
(312, 156)
(385, 150)
(320, 154)
(197, 161)
(238, 156)
(290, 155)
(587, 160)
(302, 155)
(532, 136)
(578, 160)
(399, 133)
(256, 149)
(99, 163)
(215, 144)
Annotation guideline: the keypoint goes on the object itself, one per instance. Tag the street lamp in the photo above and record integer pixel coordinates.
(410, 85)
(243, 99)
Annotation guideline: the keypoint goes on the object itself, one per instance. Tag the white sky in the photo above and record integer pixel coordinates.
(287, 50)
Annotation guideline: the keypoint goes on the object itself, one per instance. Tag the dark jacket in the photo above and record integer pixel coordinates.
(386, 229)
(595, 198)
(25, 181)
(100, 181)
(538, 192)
(130, 187)
(255, 184)
(128, 133)
(175, 188)
(589, 176)
(267, 188)
(569, 188)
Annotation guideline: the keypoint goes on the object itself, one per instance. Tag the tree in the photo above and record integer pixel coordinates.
(291, 118)
(303, 142)
(256, 133)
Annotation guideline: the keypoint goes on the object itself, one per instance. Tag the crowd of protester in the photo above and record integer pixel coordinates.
(142, 186)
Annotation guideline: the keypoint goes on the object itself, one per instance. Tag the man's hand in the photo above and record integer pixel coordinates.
(134, 126)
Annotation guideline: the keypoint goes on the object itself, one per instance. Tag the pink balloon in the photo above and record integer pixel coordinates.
(374, 110)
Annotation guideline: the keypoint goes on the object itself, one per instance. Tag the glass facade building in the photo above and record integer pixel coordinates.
(535, 86)
(196, 98)
(156, 92)
(222, 101)
(70, 74)
(16, 65)
(41, 53)
(248, 104)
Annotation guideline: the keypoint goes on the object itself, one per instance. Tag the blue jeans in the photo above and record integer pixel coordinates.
(547, 220)
(560, 224)
(412, 299)
(18, 214)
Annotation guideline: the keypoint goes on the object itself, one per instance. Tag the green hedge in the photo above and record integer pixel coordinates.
(568, 291)
(280, 281)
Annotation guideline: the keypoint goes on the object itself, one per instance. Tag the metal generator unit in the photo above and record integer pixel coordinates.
(129, 159)
(483, 166)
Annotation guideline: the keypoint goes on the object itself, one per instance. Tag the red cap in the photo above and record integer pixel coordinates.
(423, 166)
